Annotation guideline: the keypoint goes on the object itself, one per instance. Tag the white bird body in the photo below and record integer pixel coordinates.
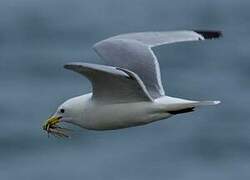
(127, 90)
(101, 116)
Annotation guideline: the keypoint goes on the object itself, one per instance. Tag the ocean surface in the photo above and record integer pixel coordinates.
(38, 36)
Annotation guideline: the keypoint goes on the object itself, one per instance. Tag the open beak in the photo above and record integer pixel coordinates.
(51, 122)
(51, 126)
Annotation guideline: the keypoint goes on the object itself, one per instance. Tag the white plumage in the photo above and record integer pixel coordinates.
(127, 90)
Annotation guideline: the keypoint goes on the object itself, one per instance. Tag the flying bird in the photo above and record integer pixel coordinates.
(127, 91)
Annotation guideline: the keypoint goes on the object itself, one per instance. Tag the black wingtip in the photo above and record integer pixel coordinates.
(66, 66)
(72, 64)
(209, 34)
(181, 111)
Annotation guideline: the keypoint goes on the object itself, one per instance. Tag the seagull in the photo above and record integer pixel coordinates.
(127, 91)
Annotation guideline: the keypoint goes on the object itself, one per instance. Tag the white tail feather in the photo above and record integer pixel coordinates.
(207, 103)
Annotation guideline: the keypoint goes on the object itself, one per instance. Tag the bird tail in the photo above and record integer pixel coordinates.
(206, 103)
(191, 106)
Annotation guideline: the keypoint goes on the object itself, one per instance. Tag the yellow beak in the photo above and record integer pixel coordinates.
(51, 122)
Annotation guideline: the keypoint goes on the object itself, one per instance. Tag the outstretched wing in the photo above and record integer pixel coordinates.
(133, 51)
(111, 84)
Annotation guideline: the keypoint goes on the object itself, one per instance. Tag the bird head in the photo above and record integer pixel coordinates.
(67, 112)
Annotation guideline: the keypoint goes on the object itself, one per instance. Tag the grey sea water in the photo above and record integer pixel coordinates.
(38, 37)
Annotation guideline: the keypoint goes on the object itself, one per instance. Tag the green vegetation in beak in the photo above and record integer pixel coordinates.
(51, 126)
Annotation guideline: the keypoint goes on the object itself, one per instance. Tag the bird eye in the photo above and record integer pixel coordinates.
(62, 110)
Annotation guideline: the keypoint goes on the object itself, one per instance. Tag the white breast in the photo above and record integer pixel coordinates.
(116, 116)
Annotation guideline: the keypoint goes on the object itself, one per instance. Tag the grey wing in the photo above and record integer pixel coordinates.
(133, 51)
(111, 84)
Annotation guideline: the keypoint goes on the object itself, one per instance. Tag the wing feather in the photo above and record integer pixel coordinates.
(111, 84)
(133, 51)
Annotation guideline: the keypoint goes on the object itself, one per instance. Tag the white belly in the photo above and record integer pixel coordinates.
(116, 116)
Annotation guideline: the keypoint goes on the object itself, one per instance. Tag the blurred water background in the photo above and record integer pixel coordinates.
(38, 36)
